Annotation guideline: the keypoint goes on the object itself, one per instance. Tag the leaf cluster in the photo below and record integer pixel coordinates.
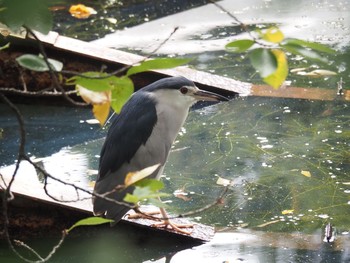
(268, 53)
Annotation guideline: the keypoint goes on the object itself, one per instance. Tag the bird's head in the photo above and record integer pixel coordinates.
(180, 91)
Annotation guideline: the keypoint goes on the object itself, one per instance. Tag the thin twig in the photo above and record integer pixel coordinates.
(122, 70)
(22, 142)
(41, 259)
(22, 244)
(239, 22)
(7, 196)
(38, 93)
(52, 71)
(93, 194)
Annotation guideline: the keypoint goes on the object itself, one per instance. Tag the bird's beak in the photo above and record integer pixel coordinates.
(208, 96)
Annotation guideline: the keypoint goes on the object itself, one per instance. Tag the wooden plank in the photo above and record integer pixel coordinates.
(27, 190)
(124, 58)
(218, 83)
(204, 80)
(299, 93)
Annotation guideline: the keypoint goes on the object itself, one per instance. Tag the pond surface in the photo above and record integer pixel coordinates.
(286, 161)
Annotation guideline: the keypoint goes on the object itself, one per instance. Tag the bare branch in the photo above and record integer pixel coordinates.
(239, 22)
(38, 93)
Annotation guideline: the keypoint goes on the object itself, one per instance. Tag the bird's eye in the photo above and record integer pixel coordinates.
(183, 90)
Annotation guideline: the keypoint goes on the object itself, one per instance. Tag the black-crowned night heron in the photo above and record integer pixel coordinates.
(141, 136)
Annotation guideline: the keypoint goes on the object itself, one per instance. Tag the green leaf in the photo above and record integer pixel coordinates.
(32, 62)
(273, 35)
(239, 45)
(90, 221)
(158, 63)
(311, 45)
(277, 78)
(146, 189)
(34, 14)
(122, 90)
(37, 63)
(129, 198)
(152, 184)
(264, 61)
(95, 81)
(305, 52)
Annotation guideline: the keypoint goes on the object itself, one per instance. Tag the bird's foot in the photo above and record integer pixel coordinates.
(176, 227)
(144, 215)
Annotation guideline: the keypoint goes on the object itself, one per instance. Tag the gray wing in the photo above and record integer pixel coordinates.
(127, 149)
(129, 130)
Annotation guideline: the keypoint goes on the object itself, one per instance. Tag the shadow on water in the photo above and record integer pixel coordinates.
(287, 164)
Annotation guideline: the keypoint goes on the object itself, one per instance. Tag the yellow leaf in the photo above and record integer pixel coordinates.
(81, 11)
(93, 97)
(134, 177)
(287, 212)
(277, 78)
(101, 112)
(273, 34)
(306, 173)
(223, 181)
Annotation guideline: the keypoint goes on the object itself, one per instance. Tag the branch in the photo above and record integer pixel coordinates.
(239, 22)
(41, 259)
(21, 152)
(38, 93)
(51, 70)
(123, 70)
(93, 194)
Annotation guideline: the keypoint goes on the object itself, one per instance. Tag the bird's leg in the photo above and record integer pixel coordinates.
(177, 227)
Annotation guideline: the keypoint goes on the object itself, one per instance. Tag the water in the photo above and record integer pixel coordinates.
(287, 161)
(278, 154)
